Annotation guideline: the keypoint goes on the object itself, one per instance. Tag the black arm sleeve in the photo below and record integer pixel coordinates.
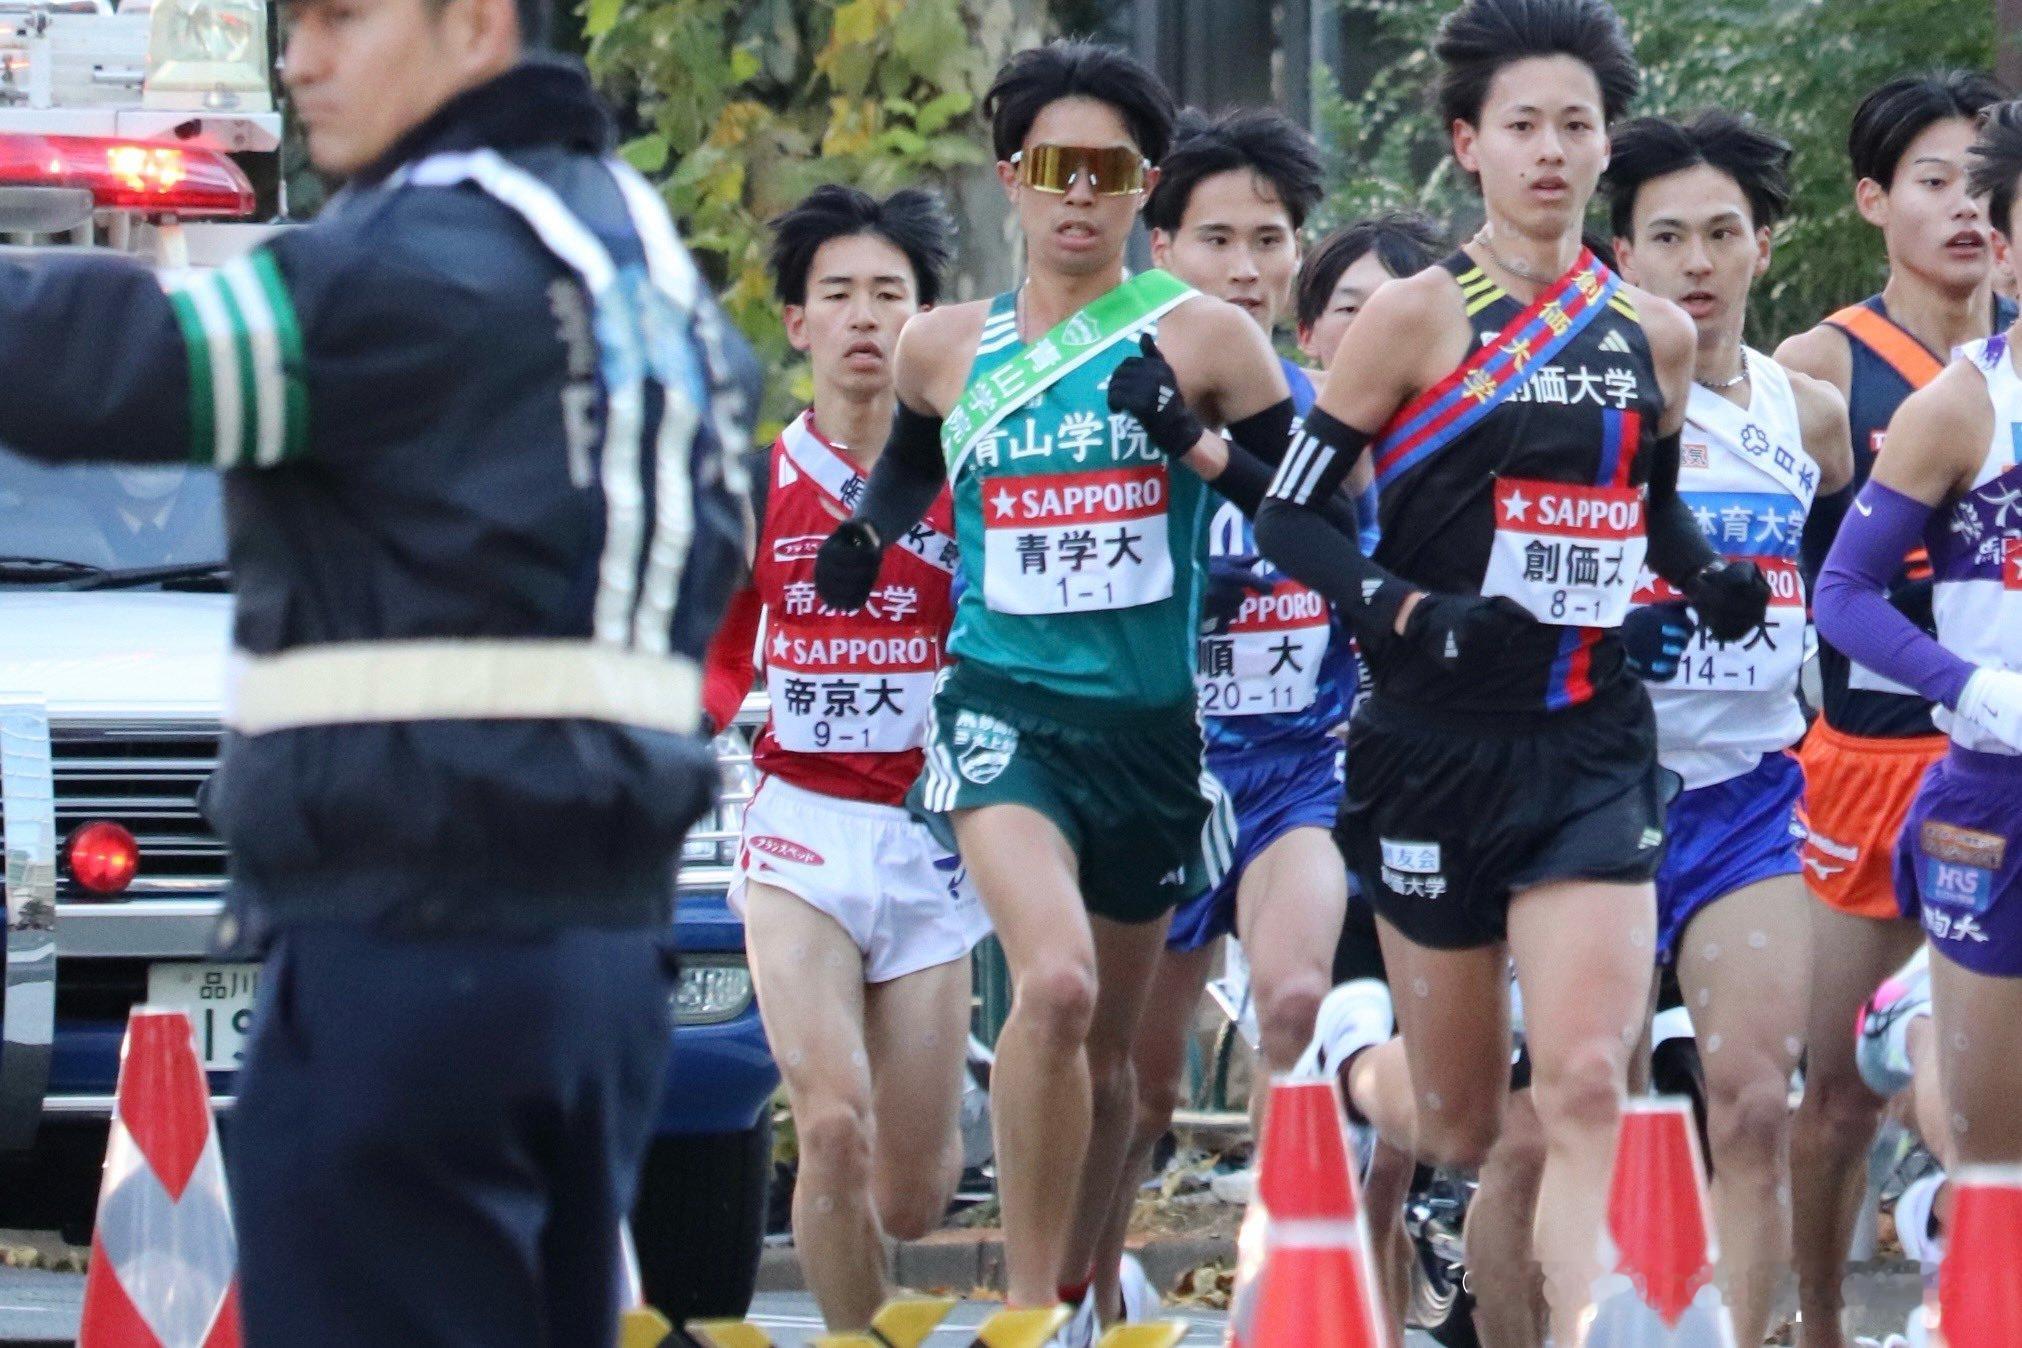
(1267, 434)
(1678, 550)
(907, 476)
(1320, 549)
(95, 360)
(1322, 452)
(1247, 477)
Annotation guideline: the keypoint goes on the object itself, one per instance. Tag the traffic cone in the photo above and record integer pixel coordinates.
(1980, 1284)
(1660, 1236)
(163, 1258)
(1308, 1281)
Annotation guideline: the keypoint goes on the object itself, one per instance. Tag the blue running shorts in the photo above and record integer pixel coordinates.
(1273, 794)
(1726, 837)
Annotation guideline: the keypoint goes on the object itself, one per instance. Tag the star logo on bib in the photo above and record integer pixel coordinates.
(1003, 501)
(1517, 506)
(779, 645)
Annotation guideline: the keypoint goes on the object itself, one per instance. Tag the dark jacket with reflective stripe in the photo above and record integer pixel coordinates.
(408, 397)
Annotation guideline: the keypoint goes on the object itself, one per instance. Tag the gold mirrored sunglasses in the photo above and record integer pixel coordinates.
(1113, 171)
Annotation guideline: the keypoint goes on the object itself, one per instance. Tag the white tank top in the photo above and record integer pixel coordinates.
(1744, 474)
(1976, 546)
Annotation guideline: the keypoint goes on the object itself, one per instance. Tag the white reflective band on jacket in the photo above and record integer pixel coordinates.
(455, 679)
(639, 576)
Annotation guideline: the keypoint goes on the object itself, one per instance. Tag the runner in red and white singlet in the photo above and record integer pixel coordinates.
(858, 926)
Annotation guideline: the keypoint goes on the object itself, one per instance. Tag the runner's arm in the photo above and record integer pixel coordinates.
(902, 486)
(1822, 422)
(728, 669)
(1922, 464)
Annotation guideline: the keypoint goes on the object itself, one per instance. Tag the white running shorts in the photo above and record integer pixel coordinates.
(907, 903)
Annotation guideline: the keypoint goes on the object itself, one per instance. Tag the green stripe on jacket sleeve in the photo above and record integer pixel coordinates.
(294, 365)
(197, 350)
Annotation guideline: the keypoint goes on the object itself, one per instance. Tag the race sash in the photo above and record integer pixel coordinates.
(843, 484)
(1120, 314)
(1449, 409)
(1893, 346)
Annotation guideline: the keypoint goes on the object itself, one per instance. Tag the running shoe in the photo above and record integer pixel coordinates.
(1357, 1015)
(1916, 1220)
(1882, 1043)
(1140, 1298)
(1081, 1329)
(1354, 1016)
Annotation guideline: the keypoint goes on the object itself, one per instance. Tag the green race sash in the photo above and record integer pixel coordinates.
(1116, 316)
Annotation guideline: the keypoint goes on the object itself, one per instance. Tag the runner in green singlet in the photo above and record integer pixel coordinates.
(1066, 755)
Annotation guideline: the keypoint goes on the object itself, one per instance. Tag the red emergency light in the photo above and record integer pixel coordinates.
(129, 175)
(103, 857)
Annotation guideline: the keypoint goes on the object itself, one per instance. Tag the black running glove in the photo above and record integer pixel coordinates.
(1654, 637)
(1145, 386)
(846, 568)
(1462, 633)
(1231, 580)
(1730, 597)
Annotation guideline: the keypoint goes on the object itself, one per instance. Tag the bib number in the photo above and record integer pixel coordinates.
(1767, 660)
(1076, 542)
(1268, 661)
(850, 692)
(1570, 554)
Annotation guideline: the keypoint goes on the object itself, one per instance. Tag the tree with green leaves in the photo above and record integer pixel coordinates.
(744, 106)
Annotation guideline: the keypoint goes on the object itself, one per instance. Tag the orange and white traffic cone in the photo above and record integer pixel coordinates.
(1980, 1284)
(1305, 1275)
(163, 1259)
(1660, 1293)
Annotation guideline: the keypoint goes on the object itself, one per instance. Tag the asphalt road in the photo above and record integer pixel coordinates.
(38, 1308)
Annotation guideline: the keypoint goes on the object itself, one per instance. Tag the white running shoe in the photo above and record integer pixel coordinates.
(1913, 1222)
(1081, 1329)
(1357, 1015)
(1354, 1016)
(1882, 1050)
(1140, 1298)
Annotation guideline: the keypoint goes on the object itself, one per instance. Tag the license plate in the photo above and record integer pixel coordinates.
(218, 999)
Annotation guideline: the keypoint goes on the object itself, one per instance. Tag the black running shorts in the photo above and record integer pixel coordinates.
(1445, 819)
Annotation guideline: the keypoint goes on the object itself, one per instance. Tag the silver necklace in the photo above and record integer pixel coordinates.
(1513, 268)
(1725, 385)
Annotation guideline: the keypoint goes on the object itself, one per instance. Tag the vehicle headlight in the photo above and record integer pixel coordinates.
(208, 54)
(712, 990)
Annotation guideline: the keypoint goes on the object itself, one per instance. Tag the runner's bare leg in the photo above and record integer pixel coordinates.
(1289, 907)
(1126, 957)
(1039, 1099)
(1836, 1120)
(1584, 955)
(1743, 970)
(1502, 1267)
(1159, 1056)
(810, 980)
(917, 1029)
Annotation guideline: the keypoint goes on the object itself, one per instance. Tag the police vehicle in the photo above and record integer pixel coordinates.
(153, 130)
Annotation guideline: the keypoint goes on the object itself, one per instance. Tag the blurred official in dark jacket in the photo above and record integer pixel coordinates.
(482, 427)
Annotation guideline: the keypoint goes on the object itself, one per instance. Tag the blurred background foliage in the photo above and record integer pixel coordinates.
(739, 107)
(1799, 66)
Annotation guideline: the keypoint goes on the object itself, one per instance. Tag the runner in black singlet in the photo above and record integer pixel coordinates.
(1524, 408)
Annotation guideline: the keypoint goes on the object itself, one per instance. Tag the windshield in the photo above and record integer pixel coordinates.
(110, 517)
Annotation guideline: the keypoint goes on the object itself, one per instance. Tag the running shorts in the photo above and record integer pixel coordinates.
(904, 899)
(1272, 795)
(1446, 818)
(1125, 786)
(1725, 837)
(1959, 861)
(1856, 792)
